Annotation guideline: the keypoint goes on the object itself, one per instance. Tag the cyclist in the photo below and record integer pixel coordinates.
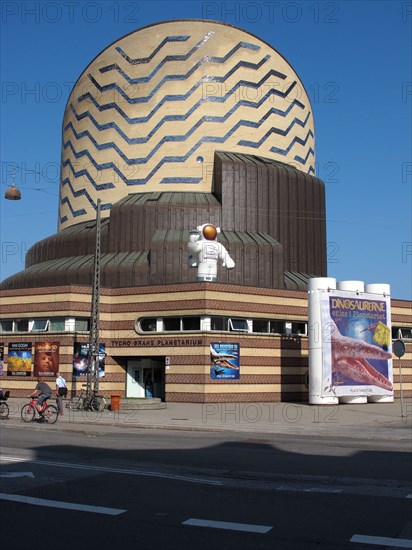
(42, 391)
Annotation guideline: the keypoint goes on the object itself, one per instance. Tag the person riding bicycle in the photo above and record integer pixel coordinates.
(42, 391)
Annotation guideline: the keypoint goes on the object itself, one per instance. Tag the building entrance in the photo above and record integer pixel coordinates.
(146, 377)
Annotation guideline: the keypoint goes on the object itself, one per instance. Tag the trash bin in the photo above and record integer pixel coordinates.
(115, 402)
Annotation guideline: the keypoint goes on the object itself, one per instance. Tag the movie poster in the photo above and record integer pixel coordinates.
(357, 358)
(2, 359)
(80, 359)
(224, 359)
(19, 359)
(46, 359)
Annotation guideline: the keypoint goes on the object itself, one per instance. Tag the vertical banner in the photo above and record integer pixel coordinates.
(80, 359)
(19, 359)
(225, 361)
(46, 358)
(2, 359)
(357, 358)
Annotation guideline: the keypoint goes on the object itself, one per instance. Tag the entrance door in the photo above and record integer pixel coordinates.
(135, 385)
(146, 377)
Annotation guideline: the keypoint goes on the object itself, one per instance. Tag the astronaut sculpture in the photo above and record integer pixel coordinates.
(204, 252)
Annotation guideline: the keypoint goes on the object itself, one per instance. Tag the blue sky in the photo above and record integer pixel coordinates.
(354, 59)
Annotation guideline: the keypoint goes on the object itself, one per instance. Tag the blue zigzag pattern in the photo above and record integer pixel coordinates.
(183, 97)
(180, 57)
(278, 131)
(81, 193)
(171, 138)
(143, 60)
(222, 99)
(167, 78)
(304, 160)
(84, 172)
(291, 144)
(176, 118)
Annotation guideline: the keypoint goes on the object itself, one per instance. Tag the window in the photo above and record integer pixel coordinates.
(148, 325)
(57, 324)
(6, 326)
(260, 325)
(403, 333)
(277, 327)
(191, 323)
(82, 325)
(218, 323)
(22, 325)
(299, 329)
(171, 323)
(238, 324)
(39, 325)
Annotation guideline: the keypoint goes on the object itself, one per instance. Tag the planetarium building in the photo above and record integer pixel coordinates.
(174, 126)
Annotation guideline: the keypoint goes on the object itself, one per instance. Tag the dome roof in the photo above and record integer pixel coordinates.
(150, 111)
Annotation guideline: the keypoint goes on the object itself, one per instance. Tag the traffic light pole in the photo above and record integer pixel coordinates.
(93, 351)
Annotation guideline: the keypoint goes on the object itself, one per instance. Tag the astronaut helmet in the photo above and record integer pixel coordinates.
(208, 231)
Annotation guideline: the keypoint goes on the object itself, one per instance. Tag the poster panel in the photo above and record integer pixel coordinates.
(2, 371)
(80, 359)
(357, 358)
(225, 361)
(19, 359)
(46, 359)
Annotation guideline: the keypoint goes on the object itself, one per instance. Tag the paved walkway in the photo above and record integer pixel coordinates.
(367, 421)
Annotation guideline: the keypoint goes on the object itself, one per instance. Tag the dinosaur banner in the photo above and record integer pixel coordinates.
(356, 345)
(224, 361)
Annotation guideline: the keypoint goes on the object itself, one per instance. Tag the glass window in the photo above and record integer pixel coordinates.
(6, 326)
(82, 325)
(40, 325)
(22, 325)
(218, 323)
(260, 325)
(299, 328)
(148, 325)
(277, 327)
(57, 324)
(171, 323)
(191, 323)
(239, 324)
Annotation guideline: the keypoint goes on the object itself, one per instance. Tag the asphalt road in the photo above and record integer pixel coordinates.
(168, 489)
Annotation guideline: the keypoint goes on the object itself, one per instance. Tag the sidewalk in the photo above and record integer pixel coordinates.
(367, 421)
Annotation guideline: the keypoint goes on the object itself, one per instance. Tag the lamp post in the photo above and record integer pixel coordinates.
(93, 351)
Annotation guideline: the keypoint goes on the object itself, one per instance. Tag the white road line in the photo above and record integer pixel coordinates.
(22, 499)
(116, 470)
(227, 525)
(382, 541)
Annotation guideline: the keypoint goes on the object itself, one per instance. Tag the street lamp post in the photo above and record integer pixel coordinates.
(93, 351)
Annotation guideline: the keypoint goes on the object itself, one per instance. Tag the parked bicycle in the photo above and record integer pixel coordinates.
(84, 402)
(48, 413)
(4, 408)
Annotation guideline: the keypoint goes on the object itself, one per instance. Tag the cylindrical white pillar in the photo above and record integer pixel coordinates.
(352, 286)
(316, 340)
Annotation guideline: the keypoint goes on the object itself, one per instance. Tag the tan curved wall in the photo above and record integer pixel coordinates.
(152, 103)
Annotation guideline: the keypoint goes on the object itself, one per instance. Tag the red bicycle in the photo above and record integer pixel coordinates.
(48, 413)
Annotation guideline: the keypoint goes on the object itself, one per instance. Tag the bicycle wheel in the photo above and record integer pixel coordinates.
(4, 410)
(98, 403)
(27, 413)
(75, 404)
(51, 414)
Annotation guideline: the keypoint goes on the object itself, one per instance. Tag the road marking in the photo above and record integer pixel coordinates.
(227, 525)
(116, 470)
(22, 499)
(382, 541)
(17, 474)
(409, 496)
